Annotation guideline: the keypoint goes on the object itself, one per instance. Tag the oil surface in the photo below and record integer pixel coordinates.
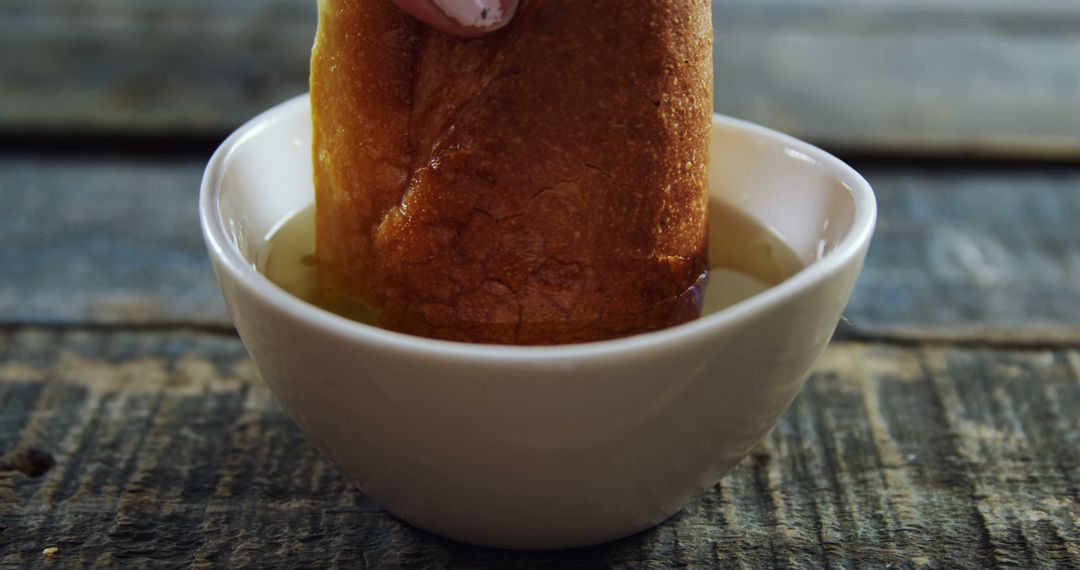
(745, 258)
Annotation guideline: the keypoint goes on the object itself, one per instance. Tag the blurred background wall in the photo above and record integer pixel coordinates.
(952, 78)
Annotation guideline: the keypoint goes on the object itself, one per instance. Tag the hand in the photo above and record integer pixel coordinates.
(467, 18)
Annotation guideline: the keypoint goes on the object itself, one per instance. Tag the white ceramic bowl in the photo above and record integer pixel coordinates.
(527, 447)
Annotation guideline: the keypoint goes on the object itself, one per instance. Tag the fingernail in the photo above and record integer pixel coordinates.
(481, 15)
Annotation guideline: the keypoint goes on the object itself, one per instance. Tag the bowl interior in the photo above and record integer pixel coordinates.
(809, 198)
(785, 184)
(266, 177)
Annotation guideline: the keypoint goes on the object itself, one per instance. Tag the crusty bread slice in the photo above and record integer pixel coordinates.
(544, 184)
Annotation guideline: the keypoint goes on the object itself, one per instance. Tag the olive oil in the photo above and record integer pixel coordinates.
(745, 258)
(289, 261)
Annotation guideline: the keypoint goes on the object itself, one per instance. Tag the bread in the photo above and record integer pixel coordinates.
(544, 184)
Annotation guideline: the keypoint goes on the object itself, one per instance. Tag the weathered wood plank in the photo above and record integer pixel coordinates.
(962, 252)
(105, 240)
(972, 253)
(957, 76)
(169, 450)
(129, 66)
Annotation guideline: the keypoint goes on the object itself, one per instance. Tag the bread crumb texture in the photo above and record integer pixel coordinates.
(544, 184)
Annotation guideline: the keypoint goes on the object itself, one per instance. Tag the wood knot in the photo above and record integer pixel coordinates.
(31, 462)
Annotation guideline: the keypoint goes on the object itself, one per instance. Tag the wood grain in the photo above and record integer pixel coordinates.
(919, 77)
(104, 240)
(969, 252)
(168, 450)
(962, 252)
(956, 76)
(137, 67)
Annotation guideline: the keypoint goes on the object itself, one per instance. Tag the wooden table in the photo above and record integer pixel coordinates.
(941, 428)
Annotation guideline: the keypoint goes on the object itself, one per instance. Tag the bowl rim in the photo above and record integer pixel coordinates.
(845, 252)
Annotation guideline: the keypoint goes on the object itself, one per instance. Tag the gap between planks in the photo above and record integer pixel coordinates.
(843, 335)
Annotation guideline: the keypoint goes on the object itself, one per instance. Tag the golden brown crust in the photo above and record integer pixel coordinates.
(545, 184)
